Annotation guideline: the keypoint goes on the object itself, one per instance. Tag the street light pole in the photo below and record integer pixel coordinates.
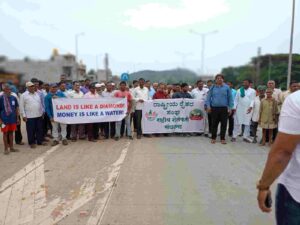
(291, 46)
(76, 51)
(203, 36)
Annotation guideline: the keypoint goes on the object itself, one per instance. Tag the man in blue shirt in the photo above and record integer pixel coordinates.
(53, 93)
(9, 118)
(219, 103)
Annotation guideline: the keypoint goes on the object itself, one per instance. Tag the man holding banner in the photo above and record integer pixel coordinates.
(92, 128)
(55, 125)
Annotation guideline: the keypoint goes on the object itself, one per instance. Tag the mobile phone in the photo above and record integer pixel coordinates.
(268, 201)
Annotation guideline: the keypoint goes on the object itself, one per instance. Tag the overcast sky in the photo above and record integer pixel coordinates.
(145, 34)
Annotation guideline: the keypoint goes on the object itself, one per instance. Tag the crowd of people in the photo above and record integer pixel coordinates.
(244, 110)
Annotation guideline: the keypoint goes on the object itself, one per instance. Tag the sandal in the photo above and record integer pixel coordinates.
(223, 142)
(213, 141)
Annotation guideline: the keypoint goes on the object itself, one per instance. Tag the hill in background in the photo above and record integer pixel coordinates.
(167, 76)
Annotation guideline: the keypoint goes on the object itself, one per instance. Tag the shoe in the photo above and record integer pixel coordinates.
(247, 140)
(33, 146)
(54, 143)
(117, 138)
(21, 143)
(65, 142)
(14, 150)
(130, 138)
(139, 137)
(213, 141)
(233, 139)
(43, 144)
(254, 141)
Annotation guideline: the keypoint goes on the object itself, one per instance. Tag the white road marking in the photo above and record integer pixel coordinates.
(27, 169)
(23, 196)
(101, 205)
(18, 193)
(4, 200)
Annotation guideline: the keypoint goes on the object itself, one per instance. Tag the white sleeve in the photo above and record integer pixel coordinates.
(21, 106)
(236, 99)
(289, 121)
(253, 96)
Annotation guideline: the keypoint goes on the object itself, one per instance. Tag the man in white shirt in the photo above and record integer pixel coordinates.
(141, 94)
(284, 162)
(109, 127)
(77, 130)
(243, 105)
(200, 93)
(256, 111)
(31, 110)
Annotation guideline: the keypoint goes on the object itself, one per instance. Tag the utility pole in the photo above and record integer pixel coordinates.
(76, 52)
(291, 46)
(257, 66)
(270, 67)
(203, 36)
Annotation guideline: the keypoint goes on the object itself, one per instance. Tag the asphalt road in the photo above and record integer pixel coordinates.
(153, 181)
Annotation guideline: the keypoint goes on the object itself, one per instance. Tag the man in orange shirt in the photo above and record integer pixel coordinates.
(123, 93)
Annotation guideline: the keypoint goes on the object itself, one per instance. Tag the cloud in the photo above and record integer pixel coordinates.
(158, 15)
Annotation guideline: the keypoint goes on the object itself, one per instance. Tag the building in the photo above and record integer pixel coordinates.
(46, 70)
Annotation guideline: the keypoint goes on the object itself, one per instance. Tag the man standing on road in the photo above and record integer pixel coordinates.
(284, 162)
(92, 128)
(77, 130)
(219, 103)
(32, 113)
(55, 125)
(230, 118)
(243, 105)
(122, 93)
(9, 118)
(141, 94)
(200, 93)
(109, 127)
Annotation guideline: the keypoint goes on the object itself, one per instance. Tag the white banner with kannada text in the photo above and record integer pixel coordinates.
(173, 116)
(83, 110)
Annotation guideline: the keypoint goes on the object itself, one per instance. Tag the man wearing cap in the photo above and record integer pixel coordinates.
(9, 118)
(55, 125)
(32, 112)
(98, 89)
